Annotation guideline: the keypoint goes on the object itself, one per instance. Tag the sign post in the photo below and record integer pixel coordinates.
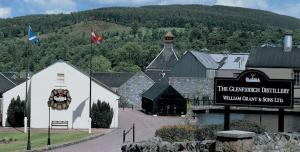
(226, 117)
(253, 88)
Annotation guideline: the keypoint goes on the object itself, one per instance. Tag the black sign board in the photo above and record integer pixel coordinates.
(254, 88)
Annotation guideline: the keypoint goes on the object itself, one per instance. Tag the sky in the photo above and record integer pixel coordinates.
(13, 8)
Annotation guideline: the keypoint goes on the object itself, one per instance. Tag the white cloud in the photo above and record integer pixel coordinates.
(290, 10)
(256, 4)
(5, 12)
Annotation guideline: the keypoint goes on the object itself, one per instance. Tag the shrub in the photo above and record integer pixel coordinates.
(15, 112)
(101, 115)
(176, 133)
(209, 131)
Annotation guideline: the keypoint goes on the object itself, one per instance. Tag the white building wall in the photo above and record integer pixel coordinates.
(10, 94)
(77, 83)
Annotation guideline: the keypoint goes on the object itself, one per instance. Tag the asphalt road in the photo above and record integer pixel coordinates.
(145, 126)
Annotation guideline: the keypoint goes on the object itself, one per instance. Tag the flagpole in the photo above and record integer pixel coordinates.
(28, 111)
(90, 103)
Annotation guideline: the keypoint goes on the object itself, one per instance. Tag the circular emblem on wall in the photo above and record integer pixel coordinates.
(59, 99)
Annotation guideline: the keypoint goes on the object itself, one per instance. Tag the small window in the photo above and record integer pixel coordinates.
(297, 77)
(60, 78)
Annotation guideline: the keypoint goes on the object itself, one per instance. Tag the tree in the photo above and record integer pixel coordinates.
(126, 67)
(101, 115)
(134, 29)
(100, 64)
(15, 112)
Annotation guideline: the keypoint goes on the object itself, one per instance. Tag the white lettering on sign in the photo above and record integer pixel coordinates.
(60, 99)
(253, 90)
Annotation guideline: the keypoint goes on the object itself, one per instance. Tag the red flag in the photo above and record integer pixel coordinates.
(95, 38)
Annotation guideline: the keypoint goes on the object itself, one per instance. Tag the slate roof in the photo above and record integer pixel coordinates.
(5, 84)
(159, 76)
(164, 60)
(206, 60)
(156, 90)
(10, 74)
(274, 57)
(112, 79)
(235, 61)
(218, 57)
(18, 80)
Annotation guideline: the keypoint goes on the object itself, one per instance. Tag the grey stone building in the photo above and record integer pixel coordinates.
(193, 75)
(159, 69)
(132, 89)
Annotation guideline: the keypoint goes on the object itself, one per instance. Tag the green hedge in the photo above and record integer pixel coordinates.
(209, 131)
(101, 115)
(176, 133)
(180, 133)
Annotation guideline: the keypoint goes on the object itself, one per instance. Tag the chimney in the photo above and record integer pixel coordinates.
(288, 42)
(169, 40)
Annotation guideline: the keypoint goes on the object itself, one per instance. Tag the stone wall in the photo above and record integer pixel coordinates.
(157, 145)
(132, 90)
(193, 87)
(271, 142)
(277, 142)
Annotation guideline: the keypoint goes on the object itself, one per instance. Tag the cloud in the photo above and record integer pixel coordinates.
(290, 10)
(256, 4)
(5, 12)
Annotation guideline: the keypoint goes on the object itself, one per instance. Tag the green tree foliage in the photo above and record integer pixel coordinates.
(126, 67)
(100, 64)
(101, 115)
(134, 36)
(15, 113)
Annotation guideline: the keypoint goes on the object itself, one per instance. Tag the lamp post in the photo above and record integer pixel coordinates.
(49, 128)
(28, 111)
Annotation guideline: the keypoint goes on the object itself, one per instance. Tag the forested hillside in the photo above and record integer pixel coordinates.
(133, 36)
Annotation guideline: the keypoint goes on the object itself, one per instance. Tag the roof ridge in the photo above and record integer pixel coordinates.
(8, 79)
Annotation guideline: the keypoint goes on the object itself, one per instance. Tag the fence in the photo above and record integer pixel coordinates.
(126, 132)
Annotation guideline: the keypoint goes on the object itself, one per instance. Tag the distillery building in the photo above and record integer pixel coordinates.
(66, 89)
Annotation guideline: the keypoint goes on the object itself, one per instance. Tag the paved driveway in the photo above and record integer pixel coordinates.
(145, 126)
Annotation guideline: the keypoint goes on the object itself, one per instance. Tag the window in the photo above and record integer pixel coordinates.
(297, 77)
(60, 78)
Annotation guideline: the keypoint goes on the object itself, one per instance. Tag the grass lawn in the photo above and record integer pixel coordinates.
(38, 140)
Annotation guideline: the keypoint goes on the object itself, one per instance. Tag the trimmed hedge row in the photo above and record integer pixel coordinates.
(179, 133)
(176, 133)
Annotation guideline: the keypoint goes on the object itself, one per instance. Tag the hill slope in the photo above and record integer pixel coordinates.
(134, 36)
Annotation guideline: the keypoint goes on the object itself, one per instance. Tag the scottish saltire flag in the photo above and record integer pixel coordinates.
(32, 37)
